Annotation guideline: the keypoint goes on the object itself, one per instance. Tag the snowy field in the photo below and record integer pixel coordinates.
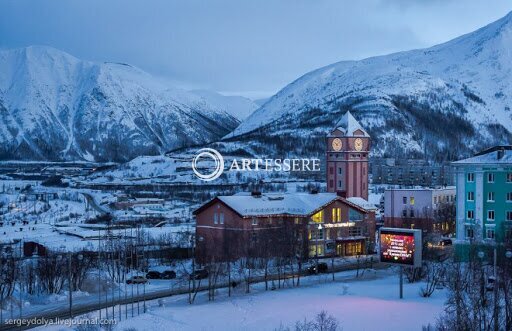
(368, 303)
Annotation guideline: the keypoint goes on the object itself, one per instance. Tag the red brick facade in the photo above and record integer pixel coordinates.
(230, 235)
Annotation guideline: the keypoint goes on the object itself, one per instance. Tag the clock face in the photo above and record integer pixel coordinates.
(358, 144)
(337, 144)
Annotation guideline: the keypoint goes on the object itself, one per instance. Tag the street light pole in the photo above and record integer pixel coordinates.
(70, 287)
(316, 248)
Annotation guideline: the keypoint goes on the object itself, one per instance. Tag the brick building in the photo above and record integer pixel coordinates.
(340, 222)
(307, 224)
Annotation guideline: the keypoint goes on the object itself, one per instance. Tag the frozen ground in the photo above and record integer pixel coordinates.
(368, 303)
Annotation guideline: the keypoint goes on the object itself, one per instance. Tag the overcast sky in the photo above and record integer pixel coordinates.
(247, 47)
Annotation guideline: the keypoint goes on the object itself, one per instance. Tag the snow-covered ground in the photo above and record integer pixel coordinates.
(367, 303)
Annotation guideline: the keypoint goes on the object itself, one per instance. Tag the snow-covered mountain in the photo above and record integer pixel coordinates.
(237, 106)
(54, 106)
(445, 101)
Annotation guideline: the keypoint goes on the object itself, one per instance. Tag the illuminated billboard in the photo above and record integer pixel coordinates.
(400, 246)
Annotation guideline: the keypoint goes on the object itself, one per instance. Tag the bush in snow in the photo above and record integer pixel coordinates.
(322, 322)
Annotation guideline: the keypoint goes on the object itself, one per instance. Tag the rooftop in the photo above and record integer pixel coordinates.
(349, 125)
(493, 155)
(299, 204)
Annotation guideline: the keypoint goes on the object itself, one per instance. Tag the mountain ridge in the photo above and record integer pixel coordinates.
(54, 106)
(462, 83)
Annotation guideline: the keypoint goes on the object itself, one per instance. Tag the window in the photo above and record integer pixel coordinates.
(470, 214)
(412, 212)
(490, 196)
(254, 221)
(404, 200)
(471, 196)
(490, 234)
(215, 218)
(509, 215)
(355, 231)
(471, 177)
(411, 200)
(490, 215)
(318, 217)
(336, 215)
(508, 233)
(254, 237)
(490, 177)
(404, 213)
(221, 218)
(509, 196)
(297, 220)
(509, 177)
(316, 234)
(340, 171)
(435, 200)
(340, 183)
(469, 233)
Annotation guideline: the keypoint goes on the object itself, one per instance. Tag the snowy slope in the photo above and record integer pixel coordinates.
(236, 106)
(451, 97)
(56, 107)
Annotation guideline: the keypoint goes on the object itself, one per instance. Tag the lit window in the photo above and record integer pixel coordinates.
(318, 217)
(411, 200)
(336, 215)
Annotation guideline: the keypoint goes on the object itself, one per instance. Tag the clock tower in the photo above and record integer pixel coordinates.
(348, 146)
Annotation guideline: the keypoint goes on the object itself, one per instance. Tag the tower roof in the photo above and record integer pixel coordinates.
(350, 126)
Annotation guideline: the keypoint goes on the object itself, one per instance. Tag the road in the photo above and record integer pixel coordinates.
(62, 311)
(93, 204)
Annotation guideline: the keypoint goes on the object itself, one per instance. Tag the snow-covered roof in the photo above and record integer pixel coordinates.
(362, 203)
(274, 204)
(495, 155)
(300, 204)
(349, 125)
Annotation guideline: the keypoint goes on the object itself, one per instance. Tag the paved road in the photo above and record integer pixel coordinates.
(84, 308)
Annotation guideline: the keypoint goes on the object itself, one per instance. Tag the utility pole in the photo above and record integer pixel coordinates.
(70, 287)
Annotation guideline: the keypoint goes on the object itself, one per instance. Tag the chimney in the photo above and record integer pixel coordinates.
(501, 153)
(342, 194)
(256, 194)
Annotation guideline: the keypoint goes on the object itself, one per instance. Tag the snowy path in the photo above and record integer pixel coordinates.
(367, 303)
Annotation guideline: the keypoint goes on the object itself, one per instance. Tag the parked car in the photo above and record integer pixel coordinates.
(137, 280)
(199, 274)
(446, 242)
(168, 274)
(153, 275)
(322, 268)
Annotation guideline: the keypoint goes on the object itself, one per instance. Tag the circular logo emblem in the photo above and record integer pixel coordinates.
(209, 153)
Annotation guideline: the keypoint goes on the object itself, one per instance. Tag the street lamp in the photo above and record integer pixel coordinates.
(316, 247)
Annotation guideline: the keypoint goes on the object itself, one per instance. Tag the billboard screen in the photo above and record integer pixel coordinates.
(400, 246)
